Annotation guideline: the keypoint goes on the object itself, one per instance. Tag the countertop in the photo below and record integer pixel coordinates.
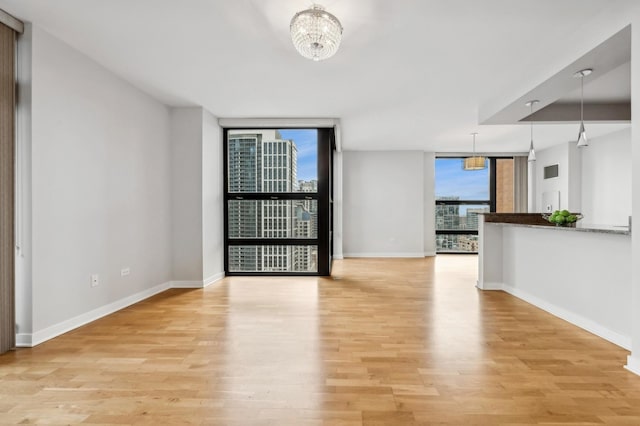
(601, 229)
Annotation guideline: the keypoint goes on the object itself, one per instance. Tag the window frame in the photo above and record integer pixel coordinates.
(326, 144)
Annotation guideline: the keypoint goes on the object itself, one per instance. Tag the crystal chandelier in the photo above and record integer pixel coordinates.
(316, 33)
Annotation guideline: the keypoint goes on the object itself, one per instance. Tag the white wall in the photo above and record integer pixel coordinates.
(100, 176)
(197, 198)
(186, 194)
(606, 179)
(633, 362)
(212, 200)
(559, 155)
(594, 180)
(24, 294)
(383, 203)
(574, 193)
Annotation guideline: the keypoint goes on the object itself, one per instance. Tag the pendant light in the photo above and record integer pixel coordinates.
(532, 152)
(475, 162)
(582, 134)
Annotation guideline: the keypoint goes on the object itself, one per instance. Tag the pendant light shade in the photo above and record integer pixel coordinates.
(532, 152)
(582, 134)
(475, 162)
(582, 137)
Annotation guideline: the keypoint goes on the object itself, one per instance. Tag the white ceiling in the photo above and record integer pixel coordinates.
(410, 74)
(615, 86)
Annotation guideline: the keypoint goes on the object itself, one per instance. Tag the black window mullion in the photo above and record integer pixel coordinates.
(272, 196)
(492, 184)
(324, 204)
(273, 241)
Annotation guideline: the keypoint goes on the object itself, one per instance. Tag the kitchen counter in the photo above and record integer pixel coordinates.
(581, 274)
(580, 227)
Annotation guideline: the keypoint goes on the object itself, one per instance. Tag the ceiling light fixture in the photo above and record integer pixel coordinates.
(475, 162)
(532, 152)
(315, 33)
(582, 134)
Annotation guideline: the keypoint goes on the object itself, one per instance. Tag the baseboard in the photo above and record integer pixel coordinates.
(391, 255)
(30, 340)
(429, 253)
(337, 257)
(212, 279)
(573, 318)
(489, 286)
(26, 340)
(633, 364)
(23, 340)
(186, 284)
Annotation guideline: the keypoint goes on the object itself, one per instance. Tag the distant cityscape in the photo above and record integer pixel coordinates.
(262, 161)
(457, 218)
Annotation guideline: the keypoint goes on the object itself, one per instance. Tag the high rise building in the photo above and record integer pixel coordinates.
(447, 215)
(472, 217)
(262, 161)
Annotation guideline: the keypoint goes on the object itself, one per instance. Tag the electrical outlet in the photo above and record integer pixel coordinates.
(95, 280)
(125, 271)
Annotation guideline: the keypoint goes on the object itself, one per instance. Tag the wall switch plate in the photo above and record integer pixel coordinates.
(124, 272)
(95, 280)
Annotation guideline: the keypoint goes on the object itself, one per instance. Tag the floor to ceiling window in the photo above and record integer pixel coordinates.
(462, 194)
(277, 218)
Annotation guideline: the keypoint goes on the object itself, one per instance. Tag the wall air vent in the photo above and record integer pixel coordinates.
(551, 171)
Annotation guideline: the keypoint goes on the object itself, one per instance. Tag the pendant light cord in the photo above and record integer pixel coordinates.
(531, 122)
(582, 99)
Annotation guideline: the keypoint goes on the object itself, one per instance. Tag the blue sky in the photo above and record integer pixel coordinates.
(307, 143)
(452, 181)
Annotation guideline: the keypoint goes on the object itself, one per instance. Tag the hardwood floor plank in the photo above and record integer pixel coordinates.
(383, 342)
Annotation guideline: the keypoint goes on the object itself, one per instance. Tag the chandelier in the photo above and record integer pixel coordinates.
(316, 33)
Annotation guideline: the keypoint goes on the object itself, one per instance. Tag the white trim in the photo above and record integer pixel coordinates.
(278, 122)
(212, 279)
(429, 253)
(575, 319)
(337, 204)
(633, 364)
(337, 257)
(11, 21)
(30, 340)
(186, 284)
(23, 340)
(412, 255)
(489, 286)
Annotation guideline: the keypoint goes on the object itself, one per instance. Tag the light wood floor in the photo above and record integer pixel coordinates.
(385, 342)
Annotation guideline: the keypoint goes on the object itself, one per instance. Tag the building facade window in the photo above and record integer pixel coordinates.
(277, 218)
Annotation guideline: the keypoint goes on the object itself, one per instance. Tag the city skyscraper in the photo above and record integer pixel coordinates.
(262, 161)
